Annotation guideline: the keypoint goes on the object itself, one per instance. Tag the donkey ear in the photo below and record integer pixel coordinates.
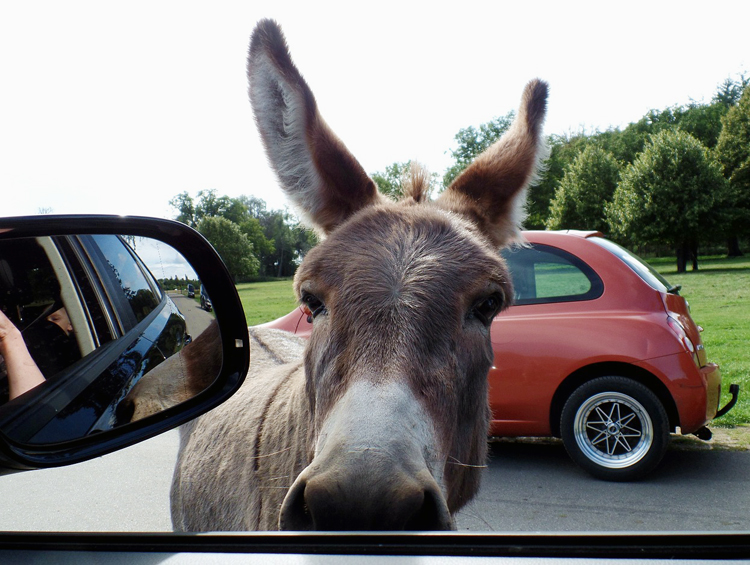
(492, 190)
(325, 182)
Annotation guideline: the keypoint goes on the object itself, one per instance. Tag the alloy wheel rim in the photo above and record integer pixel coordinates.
(613, 430)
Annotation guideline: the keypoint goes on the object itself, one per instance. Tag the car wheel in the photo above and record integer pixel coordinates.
(615, 428)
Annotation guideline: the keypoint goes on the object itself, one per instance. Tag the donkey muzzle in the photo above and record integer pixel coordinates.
(374, 467)
(349, 499)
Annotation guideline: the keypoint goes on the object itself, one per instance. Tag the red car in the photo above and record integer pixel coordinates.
(598, 349)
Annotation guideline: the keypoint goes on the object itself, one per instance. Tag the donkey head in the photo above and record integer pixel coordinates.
(402, 295)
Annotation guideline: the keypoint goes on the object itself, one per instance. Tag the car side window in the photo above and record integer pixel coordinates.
(543, 274)
(30, 298)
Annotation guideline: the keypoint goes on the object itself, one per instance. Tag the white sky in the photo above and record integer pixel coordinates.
(117, 107)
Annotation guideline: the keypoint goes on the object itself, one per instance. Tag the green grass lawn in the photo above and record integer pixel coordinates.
(719, 297)
(266, 301)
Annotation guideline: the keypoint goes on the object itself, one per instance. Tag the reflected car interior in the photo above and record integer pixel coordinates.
(124, 325)
(95, 321)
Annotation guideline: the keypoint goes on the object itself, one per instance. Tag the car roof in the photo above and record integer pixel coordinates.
(575, 233)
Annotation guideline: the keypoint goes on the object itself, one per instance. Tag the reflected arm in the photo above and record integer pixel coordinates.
(23, 374)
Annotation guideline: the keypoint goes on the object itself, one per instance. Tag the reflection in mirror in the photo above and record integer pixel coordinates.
(97, 331)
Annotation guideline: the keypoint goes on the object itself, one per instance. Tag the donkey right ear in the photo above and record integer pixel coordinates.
(492, 190)
(323, 179)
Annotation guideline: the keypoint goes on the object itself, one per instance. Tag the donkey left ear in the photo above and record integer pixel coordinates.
(323, 179)
(492, 190)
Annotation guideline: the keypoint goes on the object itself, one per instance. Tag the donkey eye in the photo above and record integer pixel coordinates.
(487, 308)
(312, 306)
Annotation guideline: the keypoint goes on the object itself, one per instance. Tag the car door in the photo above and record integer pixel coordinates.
(554, 293)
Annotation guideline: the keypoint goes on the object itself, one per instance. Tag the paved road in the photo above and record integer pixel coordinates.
(535, 486)
(527, 487)
(196, 318)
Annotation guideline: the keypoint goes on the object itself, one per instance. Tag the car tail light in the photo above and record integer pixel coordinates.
(682, 336)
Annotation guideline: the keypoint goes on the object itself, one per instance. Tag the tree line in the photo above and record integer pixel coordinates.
(254, 242)
(678, 177)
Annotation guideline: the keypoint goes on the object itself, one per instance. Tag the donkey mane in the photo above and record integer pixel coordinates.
(416, 184)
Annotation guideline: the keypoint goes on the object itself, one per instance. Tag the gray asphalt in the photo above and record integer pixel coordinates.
(196, 318)
(528, 486)
(534, 486)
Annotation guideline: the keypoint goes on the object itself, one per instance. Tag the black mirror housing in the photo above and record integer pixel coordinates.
(17, 452)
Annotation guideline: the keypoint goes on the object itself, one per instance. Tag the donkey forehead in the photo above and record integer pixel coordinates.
(403, 248)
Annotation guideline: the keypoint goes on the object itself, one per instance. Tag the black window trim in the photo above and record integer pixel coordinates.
(75, 251)
(119, 305)
(21, 420)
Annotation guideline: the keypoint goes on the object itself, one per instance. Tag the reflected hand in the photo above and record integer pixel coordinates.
(23, 374)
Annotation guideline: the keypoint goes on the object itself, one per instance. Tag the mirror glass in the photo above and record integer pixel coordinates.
(97, 331)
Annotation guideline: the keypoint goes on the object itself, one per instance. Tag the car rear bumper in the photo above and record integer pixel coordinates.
(695, 391)
(711, 375)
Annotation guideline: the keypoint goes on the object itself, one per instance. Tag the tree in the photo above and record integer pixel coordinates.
(702, 121)
(255, 206)
(733, 151)
(185, 207)
(730, 91)
(627, 143)
(390, 182)
(290, 243)
(207, 204)
(253, 230)
(673, 193)
(247, 212)
(211, 205)
(586, 187)
(232, 245)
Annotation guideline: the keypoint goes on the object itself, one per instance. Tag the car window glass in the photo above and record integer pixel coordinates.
(543, 274)
(127, 272)
(638, 265)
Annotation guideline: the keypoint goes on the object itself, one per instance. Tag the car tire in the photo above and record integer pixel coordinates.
(615, 428)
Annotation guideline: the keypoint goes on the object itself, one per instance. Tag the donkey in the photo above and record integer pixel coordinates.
(380, 420)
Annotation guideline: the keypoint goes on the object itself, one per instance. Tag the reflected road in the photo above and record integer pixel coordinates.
(196, 318)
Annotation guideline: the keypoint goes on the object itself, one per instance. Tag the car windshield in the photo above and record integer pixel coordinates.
(650, 275)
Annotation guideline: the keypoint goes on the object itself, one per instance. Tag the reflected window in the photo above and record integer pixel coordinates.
(125, 268)
(31, 298)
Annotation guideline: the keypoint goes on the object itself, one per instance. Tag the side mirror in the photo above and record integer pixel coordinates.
(113, 349)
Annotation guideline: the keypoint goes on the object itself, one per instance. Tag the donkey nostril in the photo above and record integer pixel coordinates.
(431, 515)
(295, 515)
